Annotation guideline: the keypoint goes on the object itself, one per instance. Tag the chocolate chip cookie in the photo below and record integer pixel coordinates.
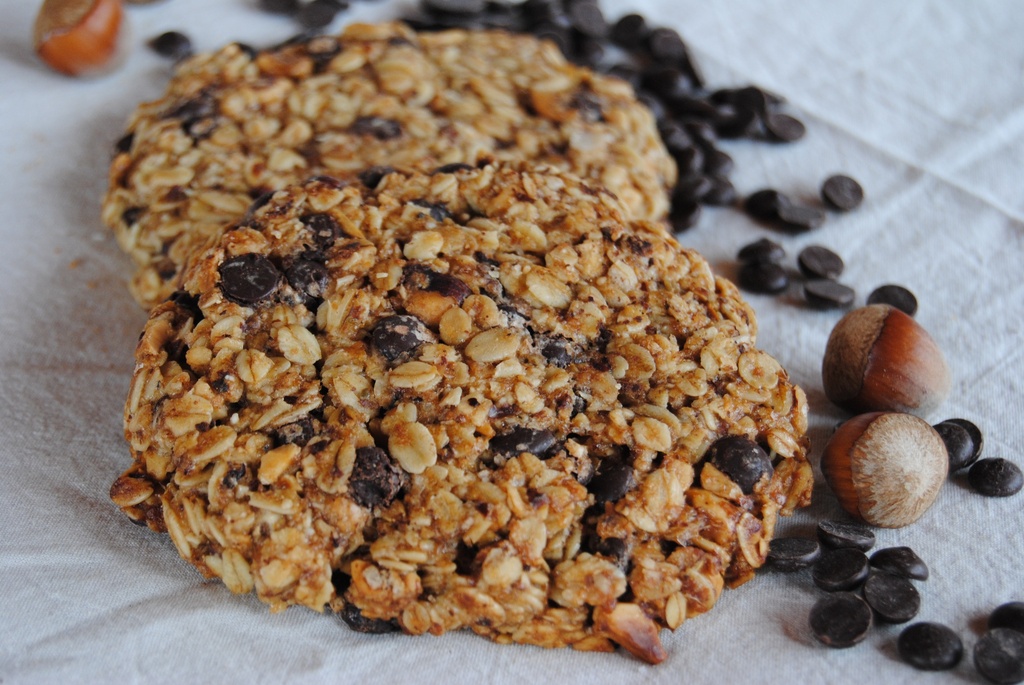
(479, 398)
(238, 123)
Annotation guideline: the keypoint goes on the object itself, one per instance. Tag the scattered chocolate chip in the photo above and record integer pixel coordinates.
(587, 18)
(172, 44)
(556, 351)
(296, 433)
(248, 279)
(436, 210)
(895, 296)
(378, 127)
(718, 163)
(995, 477)
(666, 46)
(355, 620)
(816, 261)
(627, 73)
(124, 143)
(840, 569)
(930, 647)
(900, 561)
(308, 277)
(999, 656)
(375, 479)
(454, 6)
(840, 534)
(763, 277)
(790, 554)
(826, 294)
(799, 217)
(1009, 615)
(784, 128)
(453, 168)
(449, 286)
(398, 335)
(840, 620)
(684, 215)
(372, 176)
(763, 251)
(324, 227)
(188, 302)
(319, 13)
(612, 479)
(892, 598)
(959, 445)
(538, 442)
(630, 31)
(279, 6)
(741, 460)
(722, 192)
(691, 189)
(610, 547)
(842, 193)
(766, 204)
(977, 439)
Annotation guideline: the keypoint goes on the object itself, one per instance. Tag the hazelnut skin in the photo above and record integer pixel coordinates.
(879, 359)
(78, 37)
(886, 468)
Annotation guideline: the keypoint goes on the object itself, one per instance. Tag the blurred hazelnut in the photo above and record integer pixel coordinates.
(78, 37)
(886, 468)
(879, 359)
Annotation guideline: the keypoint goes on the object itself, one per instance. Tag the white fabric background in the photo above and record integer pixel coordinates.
(921, 101)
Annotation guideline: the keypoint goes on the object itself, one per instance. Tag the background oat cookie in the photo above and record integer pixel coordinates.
(478, 399)
(234, 124)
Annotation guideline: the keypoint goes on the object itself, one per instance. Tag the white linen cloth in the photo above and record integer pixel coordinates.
(923, 102)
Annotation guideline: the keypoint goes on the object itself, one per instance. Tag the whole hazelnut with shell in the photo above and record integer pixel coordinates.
(886, 468)
(879, 359)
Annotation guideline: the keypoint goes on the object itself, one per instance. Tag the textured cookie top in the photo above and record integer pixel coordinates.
(476, 399)
(235, 124)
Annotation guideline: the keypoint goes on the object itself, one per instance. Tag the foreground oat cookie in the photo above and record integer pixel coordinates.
(478, 399)
(235, 124)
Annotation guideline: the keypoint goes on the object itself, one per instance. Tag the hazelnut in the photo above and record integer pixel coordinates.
(879, 359)
(78, 37)
(886, 468)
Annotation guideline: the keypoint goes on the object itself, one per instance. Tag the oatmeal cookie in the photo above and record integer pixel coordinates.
(235, 124)
(475, 399)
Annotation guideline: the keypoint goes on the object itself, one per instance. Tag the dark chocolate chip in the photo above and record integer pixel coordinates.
(630, 31)
(996, 477)
(172, 44)
(766, 204)
(375, 479)
(559, 35)
(627, 73)
(131, 215)
(900, 561)
(612, 479)
(741, 460)
(737, 122)
(895, 296)
(761, 251)
(842, 193)
(355, 620)
(653, 103)
(999, 656)
(892, 598)
(784, 128)
(800, 217)
(587, 18)
(840, 569)
(691, 189)
(249, 279)
(752, 98)
(930, 646)
(372, 176)
(666, 45)
(398, 335)
(841, 534)
(826, 294)
(718, 163)
(248, 50)
(453, 168)
(378, 127)
(610, 547)
(449, 286)
(324, 227)
(296, 433)
(684, 215)
(689, 105)
(766, 278)
(308, 277)
(331, 181)
(556, 351)
(666, 82)
(816, 261)
(840, 620)
(1009, 615)
(689, 159)
(538, 442)
(124, 143)
(188, 302)
(790, 554)
(722, 192)
(959, 445)
(976, 437)
(436, 210)
(319, 13)
(588, 105)
(454, 6)
(279, 6)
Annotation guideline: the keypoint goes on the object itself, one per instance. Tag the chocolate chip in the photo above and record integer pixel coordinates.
(324, 227)
(763, 277)
(976, 437)
(437, 211)
(132, 214)
(331, 181)
(737, 122)
(666, 82)
(761, 252)
(826, 294)
(248, 279)
(790, 554)
(612, 479)
(766, 204)
(630, 31)
(741, 460)
(892, 598)
(627, 73)
(279, 6)
(666, 46)
(454, 6)
(959, 445)
(308, 277)
(999, 656)
(188, 302)
(610, 547)
(124, 143)
(691, 189)
(453, 168)
(375, 479)
(172, 44)
(816, 261)
(355, 620)
(378, 127)
(297, 433)
(784, 128)
(448, 286)
(540, 443)
(319, 13)
(684, 215)
(556, 351)
(842, 193)
(718, 163)
(840, 534)
(1009, 615)
(800, 218)
(372, 176)
(930, 647)
(587, 104)
(995, 477)
(840, 620)
(895, 296)
(840, 569)
(202, 106)
(397, 336)
(587, 18)
(722, 192)
(900, 561)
